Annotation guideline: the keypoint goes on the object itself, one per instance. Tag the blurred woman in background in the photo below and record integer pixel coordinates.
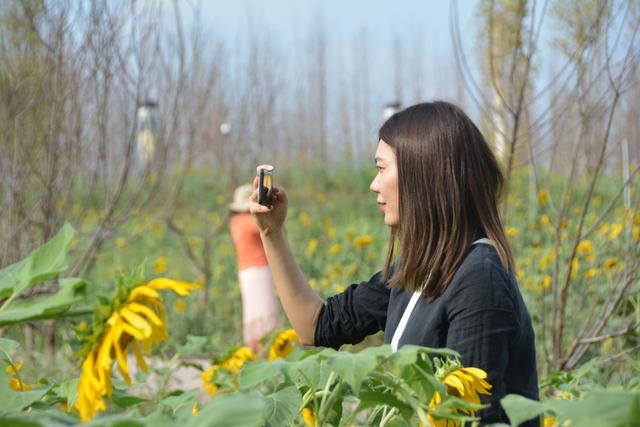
(260, 310)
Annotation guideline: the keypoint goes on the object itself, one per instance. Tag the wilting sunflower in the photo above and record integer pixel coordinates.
(136, 318)
(283, 344)
(465, 383)
(232, 364)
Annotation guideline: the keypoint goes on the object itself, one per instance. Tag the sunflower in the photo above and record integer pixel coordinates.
(329, 230)
(305, 219)
(311, 247)
(180, 305)
(363, 241)
(544, 220)
(611, 263)
(308, 417)
(160, 265)
(543, 197)
(464, 383)
(467, 384)
(15, 382)
(283, 344)
(439, 422)
(137, 321)
(235, 362)
(585, 247)
(232, 364)
(207, 380)
(335, 249)
(511, 232)
(615, 230)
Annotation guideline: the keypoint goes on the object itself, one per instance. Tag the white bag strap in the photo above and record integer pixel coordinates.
(412, 303)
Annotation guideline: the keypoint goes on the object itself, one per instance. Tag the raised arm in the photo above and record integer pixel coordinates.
(301, 303)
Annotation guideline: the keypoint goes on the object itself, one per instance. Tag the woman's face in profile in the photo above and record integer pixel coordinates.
(385, 183)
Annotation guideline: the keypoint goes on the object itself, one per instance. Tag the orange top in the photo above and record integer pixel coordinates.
(246, 239)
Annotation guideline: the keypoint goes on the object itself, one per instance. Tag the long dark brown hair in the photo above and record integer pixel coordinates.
(449, 183)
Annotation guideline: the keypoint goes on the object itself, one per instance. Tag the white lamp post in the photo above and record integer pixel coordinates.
(147, 127)
(390, 109)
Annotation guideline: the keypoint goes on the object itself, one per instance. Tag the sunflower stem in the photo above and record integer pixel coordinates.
(387, 417)
(326, 388)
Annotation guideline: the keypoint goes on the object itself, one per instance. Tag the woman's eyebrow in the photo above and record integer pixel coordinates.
(378, 159)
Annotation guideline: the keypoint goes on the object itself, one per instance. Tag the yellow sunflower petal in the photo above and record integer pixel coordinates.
(142, 291)
(107, 384)
(158, 334)
(471, 395)
(139, 358)
(476, 372)
(120, 357)
(463, 376)
(454, 382)
(142, 309)
(103, 357)
(89, 400)
(146, 345)
(103, 363)
(482, 383)
(308, 417)
(132, 331)
(136, 321)
(435, 399)
(13, 370)
(177, 286)
(207, 380)
(15, 384)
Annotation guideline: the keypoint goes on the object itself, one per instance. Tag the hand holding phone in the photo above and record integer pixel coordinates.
(265, 187)
(268, 202)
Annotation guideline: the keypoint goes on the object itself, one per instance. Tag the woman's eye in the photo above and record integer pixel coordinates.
(379, 168)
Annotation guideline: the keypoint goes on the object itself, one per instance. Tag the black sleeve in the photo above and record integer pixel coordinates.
(482, 326)
(347, 318)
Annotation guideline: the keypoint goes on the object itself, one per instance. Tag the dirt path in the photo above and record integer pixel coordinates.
(181, 376)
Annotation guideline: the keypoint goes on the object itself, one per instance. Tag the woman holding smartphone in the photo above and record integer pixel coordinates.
(448, 277)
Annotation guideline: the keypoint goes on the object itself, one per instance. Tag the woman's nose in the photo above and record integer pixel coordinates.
(374, 185)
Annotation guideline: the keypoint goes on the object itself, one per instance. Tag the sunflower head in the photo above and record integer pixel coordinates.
(465, 383)
(228, 365)
(134, 318)
(283, 344)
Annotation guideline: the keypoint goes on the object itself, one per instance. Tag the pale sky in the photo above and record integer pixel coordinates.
(288, 22)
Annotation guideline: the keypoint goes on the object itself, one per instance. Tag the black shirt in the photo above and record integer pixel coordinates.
(481, 315)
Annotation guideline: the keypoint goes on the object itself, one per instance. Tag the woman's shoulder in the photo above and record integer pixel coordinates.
(482, 277)
(483, 258)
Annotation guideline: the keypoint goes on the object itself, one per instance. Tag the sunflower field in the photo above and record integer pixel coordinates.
(157, 302)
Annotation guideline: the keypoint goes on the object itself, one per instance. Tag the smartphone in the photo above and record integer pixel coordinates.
(265, 195)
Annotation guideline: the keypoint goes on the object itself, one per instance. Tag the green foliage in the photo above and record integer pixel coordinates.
(369, 387)
(282, 407)
(598, 408)
(43, 264)
(71, 291)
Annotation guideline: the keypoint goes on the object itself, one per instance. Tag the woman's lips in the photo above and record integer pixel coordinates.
(382, 205)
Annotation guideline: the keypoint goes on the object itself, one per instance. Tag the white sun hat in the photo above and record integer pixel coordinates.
(241, 198)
